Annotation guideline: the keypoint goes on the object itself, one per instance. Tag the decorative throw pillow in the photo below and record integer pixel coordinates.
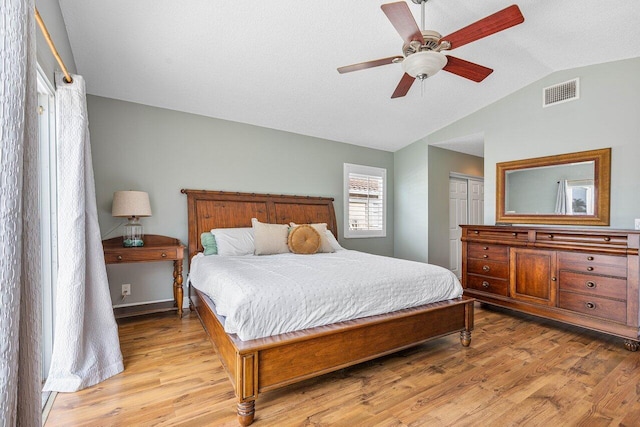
(304, 239)
(208, 241)
(270, 238)
(321, 228)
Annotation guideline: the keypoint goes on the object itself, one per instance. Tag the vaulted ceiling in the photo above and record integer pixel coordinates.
(273, 63)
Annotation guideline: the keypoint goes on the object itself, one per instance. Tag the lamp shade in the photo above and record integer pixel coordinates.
(131, 204)
(424, 64)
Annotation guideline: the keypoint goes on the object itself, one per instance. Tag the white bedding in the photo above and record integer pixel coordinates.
(268, 295)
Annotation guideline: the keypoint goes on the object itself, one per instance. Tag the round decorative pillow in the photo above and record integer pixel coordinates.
(304, 239)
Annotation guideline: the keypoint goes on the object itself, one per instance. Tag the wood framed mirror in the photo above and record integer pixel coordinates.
(569, 189)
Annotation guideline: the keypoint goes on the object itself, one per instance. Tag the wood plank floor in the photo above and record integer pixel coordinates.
(519, 370)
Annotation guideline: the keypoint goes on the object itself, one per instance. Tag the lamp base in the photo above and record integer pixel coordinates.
(132, 234)
(132, 243)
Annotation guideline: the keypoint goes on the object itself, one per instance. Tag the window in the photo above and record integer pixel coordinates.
(365, 195)
(48, 219)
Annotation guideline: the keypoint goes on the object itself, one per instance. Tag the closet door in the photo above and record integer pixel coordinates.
(458, 214)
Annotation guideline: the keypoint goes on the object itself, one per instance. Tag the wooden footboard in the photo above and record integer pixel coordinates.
(264, 364)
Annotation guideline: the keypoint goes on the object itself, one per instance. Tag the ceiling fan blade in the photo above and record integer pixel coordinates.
(368, 64)
(403, 87)
(466, 69)
(499, 21)
(402, 19)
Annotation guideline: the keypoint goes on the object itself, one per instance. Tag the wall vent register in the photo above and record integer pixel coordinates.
(561, 92)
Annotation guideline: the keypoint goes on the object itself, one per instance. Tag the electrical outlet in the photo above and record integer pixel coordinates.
(126, 289)
(637, 224)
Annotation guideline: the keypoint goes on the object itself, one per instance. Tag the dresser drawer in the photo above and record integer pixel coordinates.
(601, 286)
(490, 252)
(495, 269)
(506, 235)
(594, 306)
(607, 265)
(578, 238)
(487, 284)
(135, 255)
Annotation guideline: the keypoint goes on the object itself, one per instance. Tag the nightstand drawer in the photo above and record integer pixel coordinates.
(607, 287)
(491, 252)
(594, 306)
(499, 270)
(140, 255)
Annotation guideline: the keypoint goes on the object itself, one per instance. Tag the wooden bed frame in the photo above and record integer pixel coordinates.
(263, 364)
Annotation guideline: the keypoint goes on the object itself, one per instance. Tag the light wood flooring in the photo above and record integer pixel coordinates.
(519, 370)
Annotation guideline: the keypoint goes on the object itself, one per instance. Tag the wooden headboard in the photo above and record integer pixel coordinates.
(220, 209)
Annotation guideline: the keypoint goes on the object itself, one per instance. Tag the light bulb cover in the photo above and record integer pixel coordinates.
(424, 64)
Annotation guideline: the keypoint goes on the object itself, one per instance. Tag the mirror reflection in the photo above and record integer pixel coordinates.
(571, 188)
(560, 189)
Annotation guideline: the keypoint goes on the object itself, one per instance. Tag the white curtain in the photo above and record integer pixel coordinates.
(562, 207)
(20, 288)
(86, 348)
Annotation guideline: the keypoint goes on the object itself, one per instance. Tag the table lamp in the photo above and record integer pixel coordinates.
(132, 205)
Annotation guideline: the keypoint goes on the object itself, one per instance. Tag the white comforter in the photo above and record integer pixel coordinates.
(268, 295)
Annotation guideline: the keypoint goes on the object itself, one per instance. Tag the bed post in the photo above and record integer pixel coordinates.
(246, 385)
(465, 334)
(246, 411)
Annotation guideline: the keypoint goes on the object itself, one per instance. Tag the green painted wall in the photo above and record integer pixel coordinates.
(606, 115)
(441, 163)
(161, 151)
(411, 204)
(517, 127)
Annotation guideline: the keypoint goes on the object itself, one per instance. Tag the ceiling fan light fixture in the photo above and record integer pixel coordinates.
(424, 64)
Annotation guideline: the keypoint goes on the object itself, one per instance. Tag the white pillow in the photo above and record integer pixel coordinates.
(321, 228)
(234, 241)
(270, 238)
(333, 241)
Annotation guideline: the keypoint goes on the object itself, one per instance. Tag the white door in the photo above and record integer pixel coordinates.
(476, 202)
(458, 214)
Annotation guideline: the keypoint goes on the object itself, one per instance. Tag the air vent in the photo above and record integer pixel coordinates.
(562, 92)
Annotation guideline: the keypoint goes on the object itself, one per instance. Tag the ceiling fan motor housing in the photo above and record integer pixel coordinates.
(431, 40)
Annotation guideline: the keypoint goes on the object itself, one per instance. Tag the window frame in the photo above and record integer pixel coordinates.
(48, 213)
(350, 168)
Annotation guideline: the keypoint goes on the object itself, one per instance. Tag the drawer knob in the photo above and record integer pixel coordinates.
(485, 256)
(589, 268)
(476, 232)
(550, 236)
(590, 305)
(485, 248)
(607, 239)
(591, 284)
(485, 268)
(164, 255)
(119, 257)
(553, 279)
(589, 258)
(485, 284)
(514, 234)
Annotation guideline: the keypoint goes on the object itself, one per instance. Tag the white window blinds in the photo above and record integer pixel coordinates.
(365, 201)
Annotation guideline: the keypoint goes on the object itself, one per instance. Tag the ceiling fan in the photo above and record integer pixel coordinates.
(422, 49)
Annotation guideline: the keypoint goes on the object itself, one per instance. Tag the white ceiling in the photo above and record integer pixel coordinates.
(273, 63)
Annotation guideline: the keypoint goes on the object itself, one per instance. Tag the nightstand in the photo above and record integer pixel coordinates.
(156, 248)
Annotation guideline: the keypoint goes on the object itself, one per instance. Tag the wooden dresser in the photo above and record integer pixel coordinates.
(582, 276)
